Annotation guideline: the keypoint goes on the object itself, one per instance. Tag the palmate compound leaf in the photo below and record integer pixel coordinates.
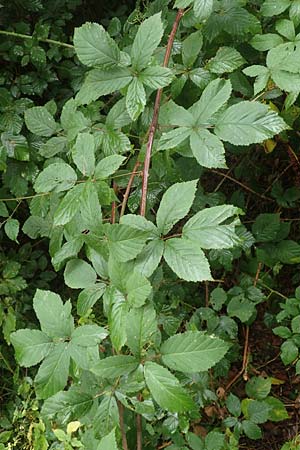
(192, 351)
(207, 148)
(247, 123)
(67, 406)
(115, 366)
(207, 230)
(95, 47)
(166, 389)
(146, 41)
(187, 260)
(31, 346)
(175, 204)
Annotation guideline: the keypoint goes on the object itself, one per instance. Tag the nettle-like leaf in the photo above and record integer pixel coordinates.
(56, 343)
(112, 75)
(115, 366)
(83, 153)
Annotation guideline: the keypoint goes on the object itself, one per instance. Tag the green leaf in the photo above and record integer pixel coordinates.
(56, 177)
(69, 250)
(233, 405)
(205, 227)
(88, 297)
(90, 208)
(83, 153)
(247, 123)
(192, 351)
(149, 258)
(53, 146)
(115, 366)
(251, 430)
(191, 47)
(88, 335)
(39, 121)
(95, 47)
(146, 41)
(141, 326)
(102, 82)
(67, 406)
(289, 352)
(125, 242)
(277, 411)
(108, 166)
(173, 114)
(31, 346)
(240, 307)
(117, 320)
(156, 77)
(203, 9)
(135, 98)
(258, 387)
(138, 289)
(118, 116)
(214, 96)
(274, 7)
(286, 28)
(69, 205)
(108, 442)
(54, 316)
(53, 373)
(175, 204)
(84, 357)
(227, 60)
(214, 440)
(258, 411)
(140, 223)
(73, 121)
(187, 260)
(11, 228)
(173, 138)
(266, 227)
(79, 274)
(263, 42)
(166, 389)
(207, 149)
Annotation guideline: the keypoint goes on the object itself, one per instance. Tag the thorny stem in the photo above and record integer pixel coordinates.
(26, 36)
(243, 370)
(153, 125)
(139, 436)
(128, 188)
(122, 427)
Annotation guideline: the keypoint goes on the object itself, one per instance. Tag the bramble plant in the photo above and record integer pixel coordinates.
(105, 143)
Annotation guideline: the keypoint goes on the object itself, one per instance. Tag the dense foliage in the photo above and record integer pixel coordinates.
(149, 223)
